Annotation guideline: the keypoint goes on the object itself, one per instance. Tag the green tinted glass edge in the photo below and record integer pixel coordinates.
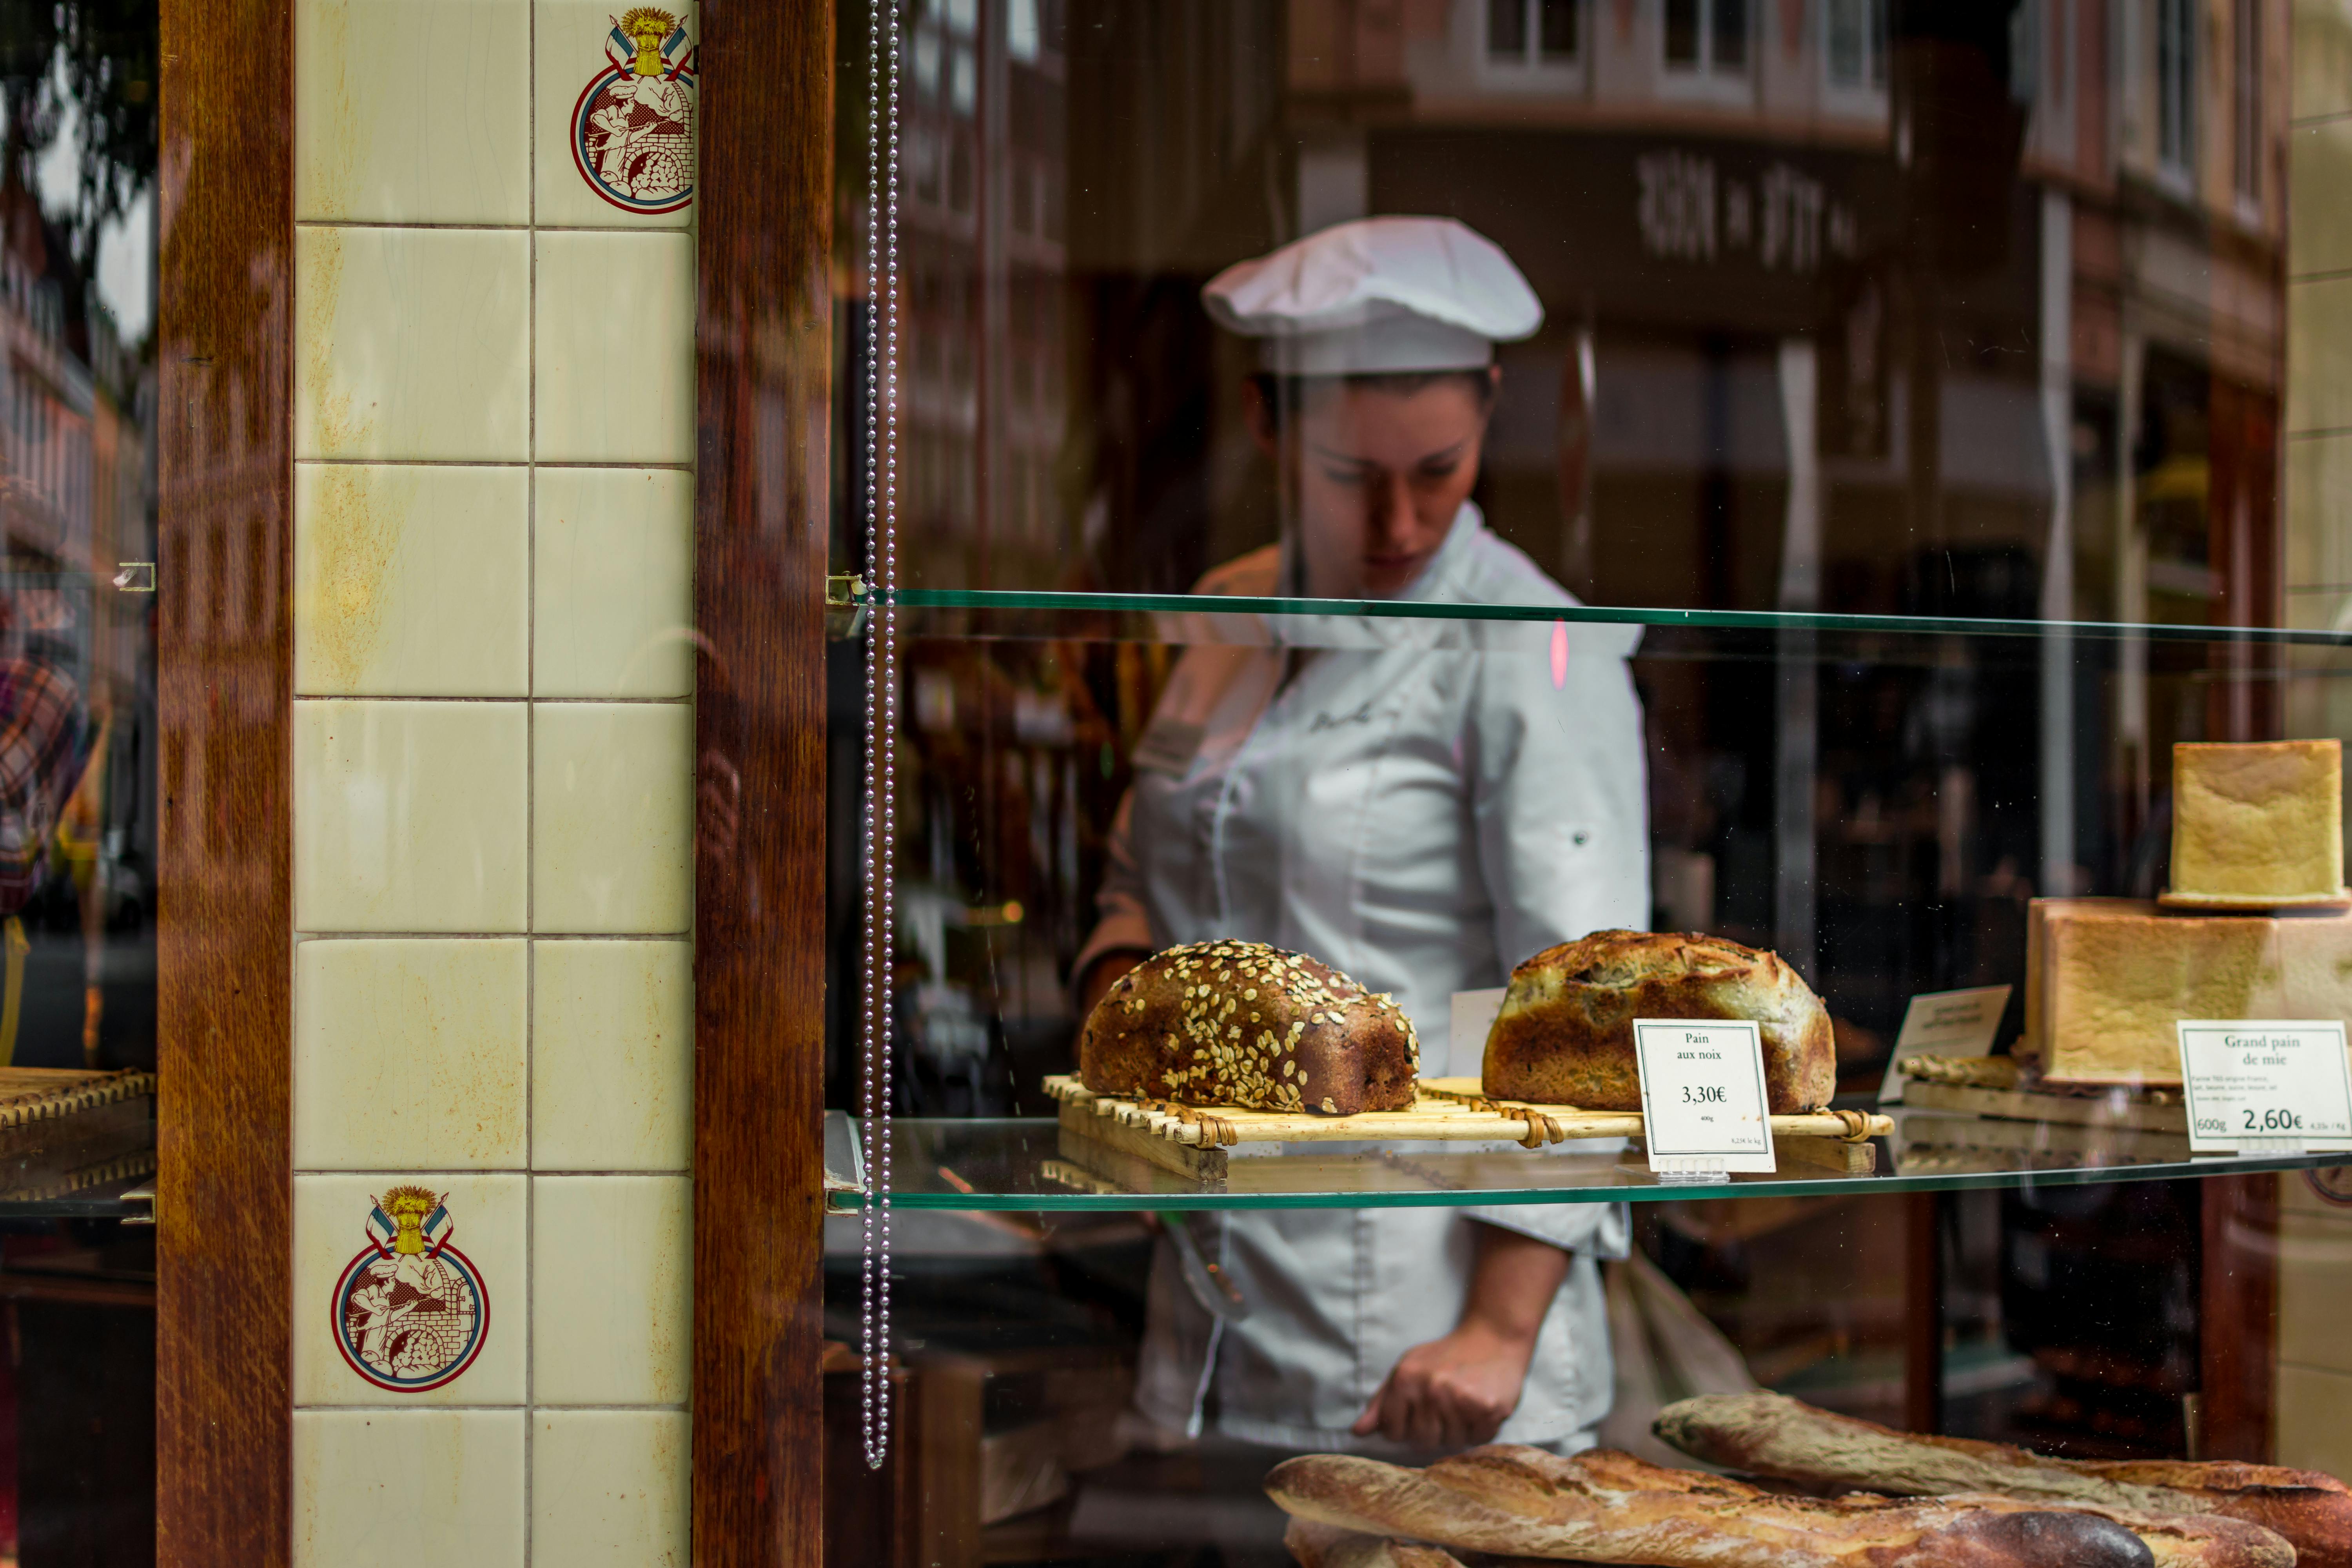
(1603, 615)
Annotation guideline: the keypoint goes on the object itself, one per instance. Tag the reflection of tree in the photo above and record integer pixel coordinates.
(98, 55)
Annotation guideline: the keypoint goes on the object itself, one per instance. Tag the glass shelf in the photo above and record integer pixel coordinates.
(1023, 1163)
(1141, 608)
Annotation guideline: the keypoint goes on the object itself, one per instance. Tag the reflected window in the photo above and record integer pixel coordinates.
(1855, 35)
(2246, 99)
(1534, 32)
(2176, 83)
(1706, 35)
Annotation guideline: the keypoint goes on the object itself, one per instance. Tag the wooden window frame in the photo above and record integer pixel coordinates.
(225, 1004)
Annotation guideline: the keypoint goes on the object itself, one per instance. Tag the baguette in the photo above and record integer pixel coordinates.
(1771, 1434)
(1601, 1506)
(1239, 1023)
(1320, 1546)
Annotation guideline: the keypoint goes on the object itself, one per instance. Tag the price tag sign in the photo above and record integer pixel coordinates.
(1703, 1098)
(1943, 1024)
(2266, 1086)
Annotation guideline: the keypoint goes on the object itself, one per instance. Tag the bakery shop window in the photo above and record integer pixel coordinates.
(1424, 569)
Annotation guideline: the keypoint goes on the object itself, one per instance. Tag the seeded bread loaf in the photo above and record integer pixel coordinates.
(1565, 1034)
(1238, 1023)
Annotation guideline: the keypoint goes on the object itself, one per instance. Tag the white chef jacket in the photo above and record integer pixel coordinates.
(1428, 801)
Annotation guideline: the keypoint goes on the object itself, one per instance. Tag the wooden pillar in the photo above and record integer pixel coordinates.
(764, 347)
(223, 1348)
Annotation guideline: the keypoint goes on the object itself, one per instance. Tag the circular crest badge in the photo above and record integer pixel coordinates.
(633, 128)
(410, 1310)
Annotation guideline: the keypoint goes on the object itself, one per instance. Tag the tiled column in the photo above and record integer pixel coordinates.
(492, 783)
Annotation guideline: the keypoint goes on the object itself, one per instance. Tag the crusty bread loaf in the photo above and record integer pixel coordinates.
(1565, 1034)
(1601, 1506)
(1320, 1546)
(1238, 1023)
(1771, 1434)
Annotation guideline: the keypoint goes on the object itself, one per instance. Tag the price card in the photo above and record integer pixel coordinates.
(2265, 1086)
(1943, 1024)
(1471, 1020)
(1703, 1098)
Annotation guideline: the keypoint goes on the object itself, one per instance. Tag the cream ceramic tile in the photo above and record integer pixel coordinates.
(612, 1058)
(636, 178)
(2314, 1280)
(2321, 59)
(612, 788)
(2294, 1193)
(410, 1055)
(412, 343)
(609, 1488)
(409, 816)
(2312, 1431)
(611, 1296)
(615, 364)
(447, 143)
(408, 1487)
(410, 581)
(2319, 356)
(613, 563)
(483, 1264)
(2320, 165)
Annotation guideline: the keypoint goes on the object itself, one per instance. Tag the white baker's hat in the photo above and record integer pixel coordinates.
(1378, 296)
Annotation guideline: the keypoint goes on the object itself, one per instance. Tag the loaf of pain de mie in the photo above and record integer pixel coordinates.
(1771, 1434)
(1601, 1506)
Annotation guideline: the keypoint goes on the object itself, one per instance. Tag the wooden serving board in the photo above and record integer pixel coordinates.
(1196, 1141)
(1989, 1086)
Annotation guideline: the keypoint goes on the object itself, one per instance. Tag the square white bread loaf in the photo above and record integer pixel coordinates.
(2108, 979)
(2257, 822)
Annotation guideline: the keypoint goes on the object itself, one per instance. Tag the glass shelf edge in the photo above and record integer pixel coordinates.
(1605, 615)
(837, 1202)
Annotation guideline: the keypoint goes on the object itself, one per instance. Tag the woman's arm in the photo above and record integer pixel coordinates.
(1102, 973)
(1459, 1390)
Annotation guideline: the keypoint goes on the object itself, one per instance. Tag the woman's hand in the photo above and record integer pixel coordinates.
(1458, 1390)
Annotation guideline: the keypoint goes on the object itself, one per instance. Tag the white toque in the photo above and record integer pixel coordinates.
(1378, 296)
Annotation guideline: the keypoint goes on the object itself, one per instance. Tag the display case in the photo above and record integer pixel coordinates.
(1882, 561)
(960, 782)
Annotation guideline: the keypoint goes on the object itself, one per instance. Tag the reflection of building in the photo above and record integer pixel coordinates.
(982, 225)
(77, 501)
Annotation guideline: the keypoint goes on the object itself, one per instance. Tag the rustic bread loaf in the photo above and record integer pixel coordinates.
(1565, 1034)
(1771, 1434)
(1601, 1506)
(1238, 1023)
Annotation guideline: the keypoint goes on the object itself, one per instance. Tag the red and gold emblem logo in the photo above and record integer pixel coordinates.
(410, 1310)
(632, 128)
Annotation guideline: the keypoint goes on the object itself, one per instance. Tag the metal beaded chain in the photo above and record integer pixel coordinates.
(881, 813)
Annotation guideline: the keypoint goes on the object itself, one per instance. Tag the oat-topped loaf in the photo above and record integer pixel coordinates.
(1238, 1023)
(1565, 1034)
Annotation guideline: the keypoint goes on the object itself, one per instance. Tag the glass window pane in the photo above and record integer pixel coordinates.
(1682, 32)
(1557, 21)
(1848, 48)
(1506, 29)
(1730, 34)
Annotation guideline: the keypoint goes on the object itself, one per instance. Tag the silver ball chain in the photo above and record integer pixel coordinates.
(881, 804)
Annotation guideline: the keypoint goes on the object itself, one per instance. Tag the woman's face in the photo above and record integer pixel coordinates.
(1376, 475)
